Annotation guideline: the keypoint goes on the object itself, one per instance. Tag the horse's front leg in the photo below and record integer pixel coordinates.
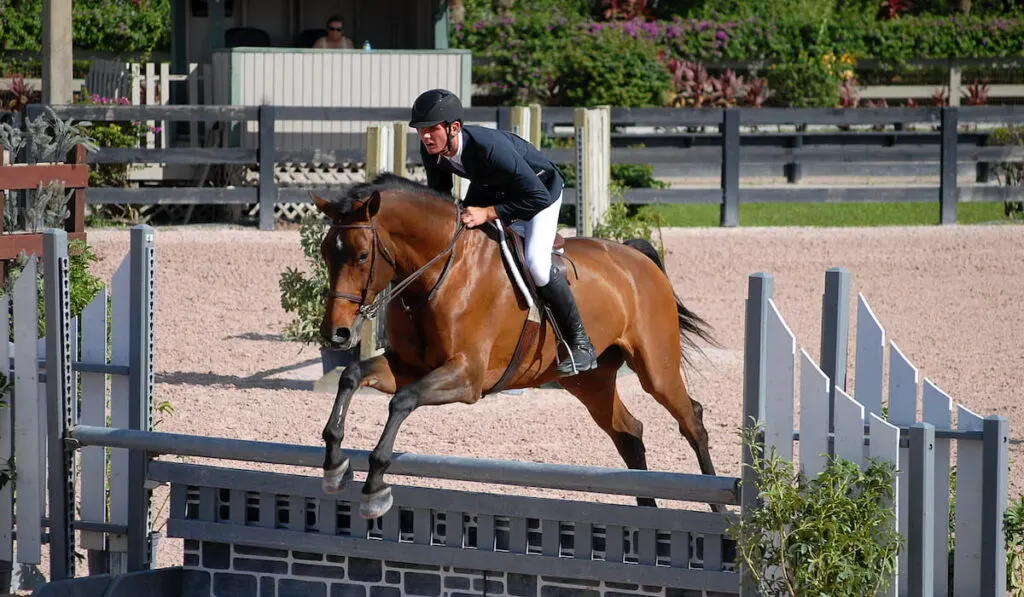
(452, 382)
(377, 372)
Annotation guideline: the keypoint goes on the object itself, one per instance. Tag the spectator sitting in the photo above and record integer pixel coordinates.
(334, 39)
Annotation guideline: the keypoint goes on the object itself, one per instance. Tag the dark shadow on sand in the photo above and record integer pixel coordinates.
(259, 381)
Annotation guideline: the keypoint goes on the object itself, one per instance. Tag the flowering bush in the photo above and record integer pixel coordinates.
(813, 82)
(528, 52)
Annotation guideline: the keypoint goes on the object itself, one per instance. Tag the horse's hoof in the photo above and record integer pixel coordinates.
(375, 505)
(335, 478)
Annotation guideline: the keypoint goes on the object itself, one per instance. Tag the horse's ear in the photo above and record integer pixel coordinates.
(325, 206)
(373, 205)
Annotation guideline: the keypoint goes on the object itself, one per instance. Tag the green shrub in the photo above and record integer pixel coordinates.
(1010, 174)
(611, 68)
(111, 25)
(833, 535)
(810, 82)
(1013, 524)
(622, 222)
(529, 54)
(301, 292)
(84, 285)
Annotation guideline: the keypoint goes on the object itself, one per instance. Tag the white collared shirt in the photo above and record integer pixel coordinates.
(456, 160)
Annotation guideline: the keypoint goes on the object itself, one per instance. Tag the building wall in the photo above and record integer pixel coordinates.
(242, 571)
(337, 78)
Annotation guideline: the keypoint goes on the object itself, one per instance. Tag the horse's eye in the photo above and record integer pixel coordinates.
(363, 257)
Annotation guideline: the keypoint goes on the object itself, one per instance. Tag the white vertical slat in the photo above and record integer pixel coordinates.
(902, 413)
(780, 365)
(119, 355)
(165, 95)
(6, 439)
(885, 445)
(27, 424)
(870, 358)
(94, 398)
(150, 100)
(937, 409)
(134, 89)
(193, 99)
(849, 428)
(967, 547)
(814, 390)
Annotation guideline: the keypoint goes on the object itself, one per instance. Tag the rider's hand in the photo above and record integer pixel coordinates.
(476, 216)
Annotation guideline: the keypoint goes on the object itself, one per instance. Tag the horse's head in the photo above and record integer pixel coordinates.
(359, 266)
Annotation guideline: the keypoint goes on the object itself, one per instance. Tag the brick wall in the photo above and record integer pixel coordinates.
(242, 571)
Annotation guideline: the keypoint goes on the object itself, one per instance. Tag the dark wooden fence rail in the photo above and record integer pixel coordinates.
(713, 141)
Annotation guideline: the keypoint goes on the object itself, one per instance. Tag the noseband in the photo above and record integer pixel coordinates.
(370, 310)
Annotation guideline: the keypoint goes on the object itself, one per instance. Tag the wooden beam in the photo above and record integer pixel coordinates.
(57, 53)
(11, 245)
(19, 178)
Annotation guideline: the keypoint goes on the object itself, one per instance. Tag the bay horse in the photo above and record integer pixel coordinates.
(455, 320)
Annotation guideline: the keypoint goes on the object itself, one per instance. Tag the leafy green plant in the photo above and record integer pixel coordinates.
(832, 535)
(84, 285)
(301, 292)
(1010, 174)
(611, 68)
(622, 222)
(110, 25)
(1013, 525)
(47, 138)
(810, 82)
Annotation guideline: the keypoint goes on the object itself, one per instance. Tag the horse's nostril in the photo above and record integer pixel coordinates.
(341, 335)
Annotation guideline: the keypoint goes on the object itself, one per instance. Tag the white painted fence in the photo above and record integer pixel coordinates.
(149, 84)
(26, 424)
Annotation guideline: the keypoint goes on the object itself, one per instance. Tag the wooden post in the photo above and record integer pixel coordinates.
(401, 140)
(592, 168)
(57, 73)
(535, 122)
(955, 83)
(520, 119)
(380, 147)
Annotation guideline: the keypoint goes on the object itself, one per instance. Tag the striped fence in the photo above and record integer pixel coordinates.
(72, 350)
(855, 427)
(255, 532)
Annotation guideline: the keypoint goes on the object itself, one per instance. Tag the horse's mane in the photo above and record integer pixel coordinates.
(386, 181)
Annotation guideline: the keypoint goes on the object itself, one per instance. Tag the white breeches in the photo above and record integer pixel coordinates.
(539, 236)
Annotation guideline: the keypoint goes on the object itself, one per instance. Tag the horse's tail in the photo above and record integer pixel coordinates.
(690, 324)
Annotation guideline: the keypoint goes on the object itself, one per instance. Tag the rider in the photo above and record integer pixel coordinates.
(510, 180)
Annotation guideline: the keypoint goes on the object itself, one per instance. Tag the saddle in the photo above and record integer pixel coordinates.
(521, 277)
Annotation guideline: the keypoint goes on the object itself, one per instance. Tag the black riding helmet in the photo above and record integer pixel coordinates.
(435, 106)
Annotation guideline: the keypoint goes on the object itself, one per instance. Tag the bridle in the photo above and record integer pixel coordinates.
(369, 310)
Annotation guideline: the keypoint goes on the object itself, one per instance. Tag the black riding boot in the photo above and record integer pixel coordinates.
(558, 296)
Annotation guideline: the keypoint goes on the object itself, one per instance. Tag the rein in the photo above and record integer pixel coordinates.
(370, 310)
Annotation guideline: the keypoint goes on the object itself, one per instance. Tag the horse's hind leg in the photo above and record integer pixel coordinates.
(662, 377)
(596, 390)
